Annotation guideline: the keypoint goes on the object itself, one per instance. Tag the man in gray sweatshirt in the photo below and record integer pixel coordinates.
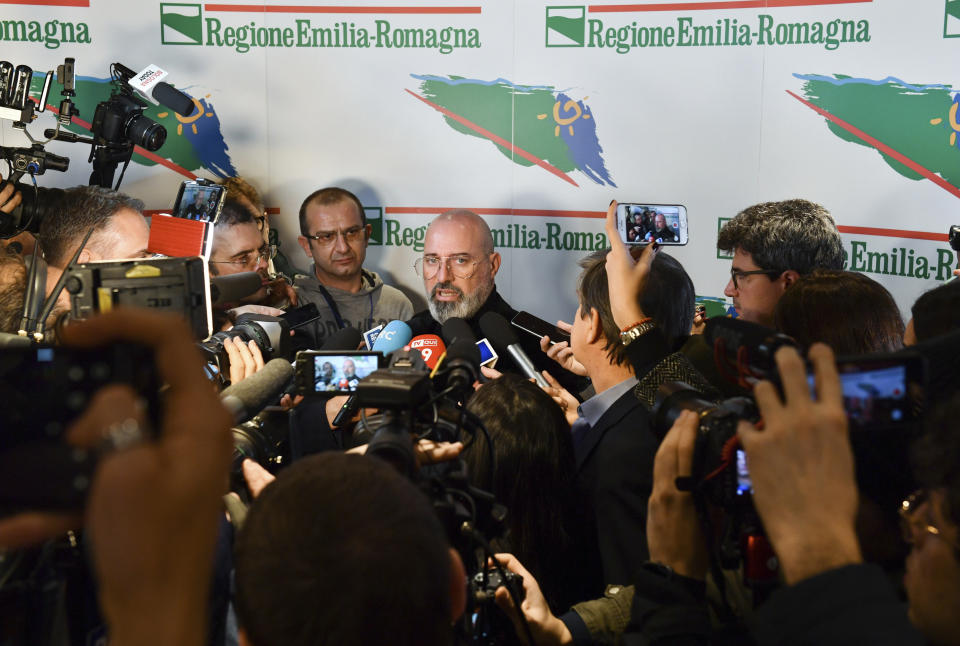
(334, 233)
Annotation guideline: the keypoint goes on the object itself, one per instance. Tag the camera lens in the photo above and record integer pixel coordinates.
(146, 133)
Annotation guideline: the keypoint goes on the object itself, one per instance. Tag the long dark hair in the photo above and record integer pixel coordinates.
(533, 476)
(850, 312)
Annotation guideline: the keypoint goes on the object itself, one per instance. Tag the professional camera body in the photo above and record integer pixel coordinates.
(17, 106)
(177, 285)
(120, 119)
(882, 395)
(270, 333)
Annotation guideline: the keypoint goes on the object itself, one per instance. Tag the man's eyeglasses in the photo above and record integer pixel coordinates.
(462, 266)
(736, 275)
(261, 220)
(353, 234)
(914, 524)
(251, 259)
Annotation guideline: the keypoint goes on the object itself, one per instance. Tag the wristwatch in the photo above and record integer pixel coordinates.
(627, 336)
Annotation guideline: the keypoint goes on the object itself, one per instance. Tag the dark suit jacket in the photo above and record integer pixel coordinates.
(615, 474)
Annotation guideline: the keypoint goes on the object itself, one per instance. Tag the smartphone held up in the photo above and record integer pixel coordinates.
(640, 224)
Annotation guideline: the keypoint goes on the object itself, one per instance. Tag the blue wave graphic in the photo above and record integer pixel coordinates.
(890, 79)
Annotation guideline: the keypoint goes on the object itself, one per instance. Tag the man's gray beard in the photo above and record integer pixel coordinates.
(463, 308)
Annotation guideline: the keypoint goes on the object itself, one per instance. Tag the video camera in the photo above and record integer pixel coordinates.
(417, 404)
(17, 106)
(118, 125)
(882, 396)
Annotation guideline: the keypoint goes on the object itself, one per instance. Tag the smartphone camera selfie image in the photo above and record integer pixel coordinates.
(327, 374)
(199, 200)
(640, 224)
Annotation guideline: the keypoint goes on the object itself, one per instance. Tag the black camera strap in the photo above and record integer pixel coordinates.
(332, 304)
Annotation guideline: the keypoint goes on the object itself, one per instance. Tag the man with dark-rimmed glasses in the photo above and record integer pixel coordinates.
(772, 244)
(334, 234)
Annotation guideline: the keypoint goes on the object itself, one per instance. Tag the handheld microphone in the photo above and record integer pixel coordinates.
(455, 329)
(461, 365)
(370, 336)
(498, 330)
(393, 337)
(150, 85)
(347, 338)
(247, 398)
(430, 346)
(233, 287)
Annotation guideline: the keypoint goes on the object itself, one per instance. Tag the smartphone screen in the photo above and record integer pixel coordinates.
(878, 391)
(327, 374)
(199, 200)
(744, 484)
(302, 315)
(538, 327)
(645, 223)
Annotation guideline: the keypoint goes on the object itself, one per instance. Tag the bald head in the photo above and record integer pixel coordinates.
(459, 264)
(473, 226)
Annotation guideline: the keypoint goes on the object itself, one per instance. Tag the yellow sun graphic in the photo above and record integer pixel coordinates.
(566, 121)
(199, 112)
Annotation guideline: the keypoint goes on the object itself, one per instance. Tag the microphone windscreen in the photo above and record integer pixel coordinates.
(347, 338)
(456, 329)
(233, 287)
(498, 330)
(248, 397)
(430, 346)
(173, 98)
(393, 337)
(463, 349)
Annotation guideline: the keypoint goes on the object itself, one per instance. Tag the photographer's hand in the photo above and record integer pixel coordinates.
(562, 353)
(545, 628)
(802, 467)
(626, 278)
(153, 508)
(245, 358)
(567, 402)
(256, 477)
(673, 528)
(9, 198)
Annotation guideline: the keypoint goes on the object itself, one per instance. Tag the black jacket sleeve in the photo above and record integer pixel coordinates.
(854, 604)
(668, 611)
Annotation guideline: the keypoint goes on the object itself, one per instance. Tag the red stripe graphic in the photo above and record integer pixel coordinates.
(599, 215)
(894, 233)
(882, 147)
(339, 9)
(436, 210)
(497, 139)
(718, 4)
(49, 3)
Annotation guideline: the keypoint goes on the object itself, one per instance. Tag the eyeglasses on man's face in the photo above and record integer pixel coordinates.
(327, 238)
(736, 275)
(916, 521)
(251, 259)
(462, 266)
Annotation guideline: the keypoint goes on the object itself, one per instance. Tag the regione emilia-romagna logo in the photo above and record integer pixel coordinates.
(181, 24)
(241, 28)
(566, 26)
(951, 19)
